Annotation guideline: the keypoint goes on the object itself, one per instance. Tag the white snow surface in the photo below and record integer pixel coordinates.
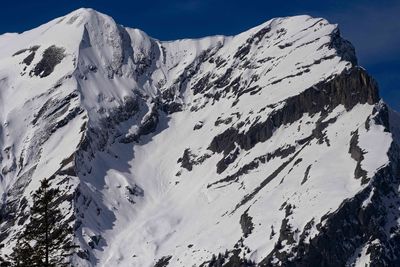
(177, 212)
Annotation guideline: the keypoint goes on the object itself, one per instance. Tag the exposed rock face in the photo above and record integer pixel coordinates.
(269, 148)
(353, 226)
(186, 161)
(357, 155)
(347, 89)
(246, 224)
(52, 56)
(163, 262)
(343, 47)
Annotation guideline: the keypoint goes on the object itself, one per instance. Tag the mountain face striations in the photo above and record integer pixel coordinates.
(268, 148)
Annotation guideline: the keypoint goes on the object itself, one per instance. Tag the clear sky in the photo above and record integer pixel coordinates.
(372, 26)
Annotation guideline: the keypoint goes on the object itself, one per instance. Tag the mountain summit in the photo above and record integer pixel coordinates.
(268, 148)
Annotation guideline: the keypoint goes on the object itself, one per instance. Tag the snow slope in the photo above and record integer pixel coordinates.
(257, 146)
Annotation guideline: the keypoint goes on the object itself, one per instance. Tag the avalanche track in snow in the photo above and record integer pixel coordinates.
(268, 148)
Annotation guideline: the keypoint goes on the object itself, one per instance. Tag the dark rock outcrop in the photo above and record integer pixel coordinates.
(348, 89)
(246, 224)
(163, 262)
(343, 47)
(358, 155)
(186, 160)
(228, 259)
(52, 56)
(364, 220)
(281, 152)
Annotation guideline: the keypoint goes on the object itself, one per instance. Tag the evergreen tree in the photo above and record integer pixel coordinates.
(47, 240)
(22, 254)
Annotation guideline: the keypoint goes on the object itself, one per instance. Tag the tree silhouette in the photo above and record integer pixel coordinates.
(47, 239)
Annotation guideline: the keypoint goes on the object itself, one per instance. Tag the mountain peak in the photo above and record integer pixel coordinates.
(138, 133)
(86, 14)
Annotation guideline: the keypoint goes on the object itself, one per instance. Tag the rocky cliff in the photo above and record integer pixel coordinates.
(268, 148)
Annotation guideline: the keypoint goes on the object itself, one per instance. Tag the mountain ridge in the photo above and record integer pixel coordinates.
(158, 146)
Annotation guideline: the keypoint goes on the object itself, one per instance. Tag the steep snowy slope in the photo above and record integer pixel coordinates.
(271, 146)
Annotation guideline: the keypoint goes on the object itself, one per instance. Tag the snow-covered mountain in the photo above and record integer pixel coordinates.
(271, 145)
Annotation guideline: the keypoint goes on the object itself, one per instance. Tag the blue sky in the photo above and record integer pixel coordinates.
(372, 26)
